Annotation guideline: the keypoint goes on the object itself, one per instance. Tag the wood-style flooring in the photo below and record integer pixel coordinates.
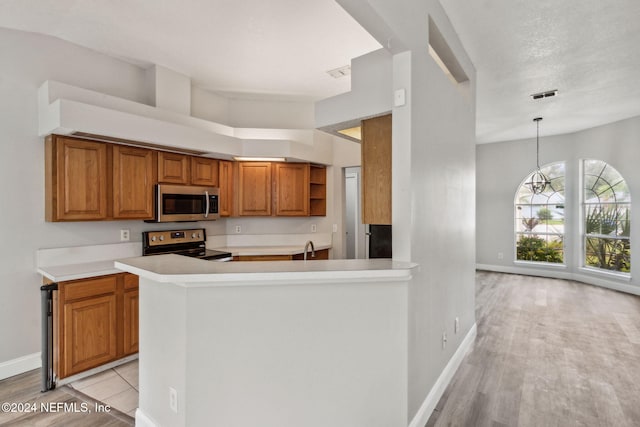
(548, 353)
(25, 388)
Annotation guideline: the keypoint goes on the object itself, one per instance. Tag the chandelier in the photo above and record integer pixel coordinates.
(539, 181)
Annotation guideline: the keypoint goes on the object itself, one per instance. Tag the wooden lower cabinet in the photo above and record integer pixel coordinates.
(321, 254)
(130, 335)
(95, 322)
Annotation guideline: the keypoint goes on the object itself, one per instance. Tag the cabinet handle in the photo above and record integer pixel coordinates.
(206, 208)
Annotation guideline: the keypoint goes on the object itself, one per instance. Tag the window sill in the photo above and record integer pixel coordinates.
(610, 274)
(540, 264)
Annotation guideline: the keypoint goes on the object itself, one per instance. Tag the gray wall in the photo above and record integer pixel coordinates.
(501, 168)
(433, 175)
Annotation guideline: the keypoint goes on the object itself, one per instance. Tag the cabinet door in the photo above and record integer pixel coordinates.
(76, 180)
(225, 197)
(376, 170)
(130, 335)
(173, 168)
(133, 179)
(254, 192)
(204, 171)
(291, 189)
(89, 329)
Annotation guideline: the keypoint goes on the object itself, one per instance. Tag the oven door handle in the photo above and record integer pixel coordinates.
(206, 208)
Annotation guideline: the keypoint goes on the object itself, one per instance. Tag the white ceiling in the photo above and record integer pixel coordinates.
(275, 47)
(587, 49)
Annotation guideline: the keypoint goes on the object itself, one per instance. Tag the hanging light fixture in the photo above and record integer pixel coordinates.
(539, 181)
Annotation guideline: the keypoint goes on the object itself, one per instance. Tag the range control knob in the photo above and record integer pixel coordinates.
(161, 238)
(199, 236)
(153, 239)
(193, 235)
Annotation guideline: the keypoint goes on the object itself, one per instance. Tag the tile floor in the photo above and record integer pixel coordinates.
(117, 387)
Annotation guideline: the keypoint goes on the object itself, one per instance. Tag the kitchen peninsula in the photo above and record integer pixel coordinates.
(285, 343)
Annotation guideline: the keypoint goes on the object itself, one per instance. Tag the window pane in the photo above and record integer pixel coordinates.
(607, 219)
(540, 248)
(539, 218)
(608, 254)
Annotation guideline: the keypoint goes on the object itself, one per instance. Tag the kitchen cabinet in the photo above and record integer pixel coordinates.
(133, 179)
(173, 168)
(204, 171)
(130, 314)
(225, 181)
(92, 181)
(291, 189)
(376, 170)
(95, 322)
(294, 189)
(254, 188)
(320, 254)
(76, 179)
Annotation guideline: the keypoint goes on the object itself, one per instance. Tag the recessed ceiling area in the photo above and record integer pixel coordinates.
(274, 48)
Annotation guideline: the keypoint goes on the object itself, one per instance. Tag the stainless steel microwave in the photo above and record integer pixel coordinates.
(179, 203)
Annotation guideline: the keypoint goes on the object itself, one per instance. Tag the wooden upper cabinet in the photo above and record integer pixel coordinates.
(225, 181)
(133, 179)
(76, 179)
(173, 168)
(254, 189)
(291, 185)
(204, 171)
(376, 170)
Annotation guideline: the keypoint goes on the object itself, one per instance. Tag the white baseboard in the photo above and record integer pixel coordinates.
(430, 402)
(20, 365)
(578, 277)
(142, 420)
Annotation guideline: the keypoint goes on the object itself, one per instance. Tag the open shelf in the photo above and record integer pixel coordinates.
(317, 190)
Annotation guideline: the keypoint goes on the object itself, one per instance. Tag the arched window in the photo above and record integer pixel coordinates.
(606, 215)
(539, 219)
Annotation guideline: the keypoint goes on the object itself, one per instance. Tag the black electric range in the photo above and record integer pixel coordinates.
(189, 243)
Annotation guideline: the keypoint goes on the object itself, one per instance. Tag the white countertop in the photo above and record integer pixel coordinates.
(62, 273)
(191, 272)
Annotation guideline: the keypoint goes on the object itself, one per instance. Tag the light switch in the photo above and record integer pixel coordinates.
(399, 98)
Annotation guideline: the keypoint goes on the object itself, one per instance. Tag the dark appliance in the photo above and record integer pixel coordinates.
(379, 241)
(183, 203)
(189, 243)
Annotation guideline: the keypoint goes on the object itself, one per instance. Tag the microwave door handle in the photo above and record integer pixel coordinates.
(206, 208)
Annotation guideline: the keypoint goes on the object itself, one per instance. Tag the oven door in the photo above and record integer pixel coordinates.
(177, 203)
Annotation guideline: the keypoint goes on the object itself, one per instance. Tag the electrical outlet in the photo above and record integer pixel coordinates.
(500, 255)
(173, 399)
(456, 325)
(335, 228)
(313, 228)
(238, 229)
(444, 339)
(124, 235)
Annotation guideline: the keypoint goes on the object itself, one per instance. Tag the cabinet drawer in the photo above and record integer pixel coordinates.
(90, 287)
(131, 281)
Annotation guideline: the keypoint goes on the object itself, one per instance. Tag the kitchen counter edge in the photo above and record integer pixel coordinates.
(191, 272)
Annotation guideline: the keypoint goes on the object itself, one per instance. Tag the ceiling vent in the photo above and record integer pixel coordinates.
(340, 72)
(546, 94)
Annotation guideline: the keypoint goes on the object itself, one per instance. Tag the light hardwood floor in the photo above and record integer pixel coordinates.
(548, 352)
(25, 388)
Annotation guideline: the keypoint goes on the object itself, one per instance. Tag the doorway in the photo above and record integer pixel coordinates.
(354, 229)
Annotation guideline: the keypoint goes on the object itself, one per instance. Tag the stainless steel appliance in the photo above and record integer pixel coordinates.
(189, 242)
(180, 203)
